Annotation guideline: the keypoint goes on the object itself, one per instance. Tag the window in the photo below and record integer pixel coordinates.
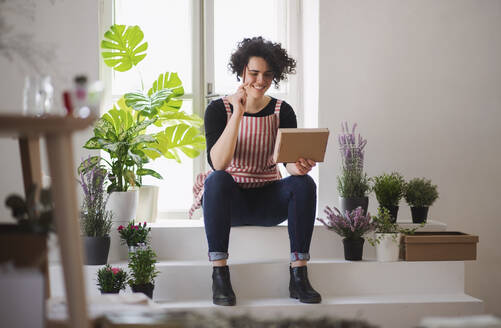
(195, 38)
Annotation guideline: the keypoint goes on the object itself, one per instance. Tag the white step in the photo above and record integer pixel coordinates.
(180, 281)
(186, 240)
(388, 311)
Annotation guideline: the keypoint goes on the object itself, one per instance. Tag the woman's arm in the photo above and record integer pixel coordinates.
(223, 150)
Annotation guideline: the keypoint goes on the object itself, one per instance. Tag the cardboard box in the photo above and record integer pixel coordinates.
(291, 144)
(439, 246)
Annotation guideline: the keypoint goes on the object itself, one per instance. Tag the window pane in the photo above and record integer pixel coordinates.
(235, 20)
(167, 29)
(175, 192)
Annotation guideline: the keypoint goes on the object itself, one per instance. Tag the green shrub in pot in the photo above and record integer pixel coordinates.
(420, 194)
(389, 189)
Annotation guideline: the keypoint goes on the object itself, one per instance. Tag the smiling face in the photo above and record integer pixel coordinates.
(259, 75)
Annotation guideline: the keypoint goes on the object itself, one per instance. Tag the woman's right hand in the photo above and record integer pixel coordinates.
(239, 99)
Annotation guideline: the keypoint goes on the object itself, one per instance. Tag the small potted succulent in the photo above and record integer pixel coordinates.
(389, 189)
(350, 225)
(353, 184)
(95, 220)
(111, 280)
(134, 235)
(420, 194)
(143, 271)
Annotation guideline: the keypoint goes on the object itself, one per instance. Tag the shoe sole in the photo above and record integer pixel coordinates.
(224, 302)
(308, 301)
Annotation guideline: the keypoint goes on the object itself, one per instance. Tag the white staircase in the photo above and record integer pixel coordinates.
(396, 294)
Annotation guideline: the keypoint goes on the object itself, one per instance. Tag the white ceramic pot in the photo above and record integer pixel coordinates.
(388, 248)
(123, 204)
(147, 206)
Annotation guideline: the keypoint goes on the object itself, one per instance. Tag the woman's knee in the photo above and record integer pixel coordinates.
(219, 180)
(304, 183)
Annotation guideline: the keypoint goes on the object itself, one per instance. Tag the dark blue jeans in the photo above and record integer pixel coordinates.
(226, 205)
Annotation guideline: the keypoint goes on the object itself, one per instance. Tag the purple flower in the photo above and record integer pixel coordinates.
(352, 224)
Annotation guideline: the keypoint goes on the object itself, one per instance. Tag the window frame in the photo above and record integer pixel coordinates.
(203, 69)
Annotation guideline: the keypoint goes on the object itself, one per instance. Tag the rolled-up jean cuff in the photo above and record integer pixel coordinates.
(295, 256)
(216, 256)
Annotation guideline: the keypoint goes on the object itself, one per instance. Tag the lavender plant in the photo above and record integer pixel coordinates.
(353, 182)
(351, 225)
(352, 152)
(95, 220)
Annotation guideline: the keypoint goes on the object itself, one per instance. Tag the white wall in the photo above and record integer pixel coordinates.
(422, 78)
(67, 32)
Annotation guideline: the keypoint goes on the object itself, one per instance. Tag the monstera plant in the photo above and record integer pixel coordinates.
(142, 125)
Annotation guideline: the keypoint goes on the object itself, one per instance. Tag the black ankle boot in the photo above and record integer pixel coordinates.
(300, 288)
(222, 292)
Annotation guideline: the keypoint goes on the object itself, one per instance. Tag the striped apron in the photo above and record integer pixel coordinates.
(252, 165)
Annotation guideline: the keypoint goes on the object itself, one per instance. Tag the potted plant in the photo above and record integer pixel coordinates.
(387, 235)
(389, 189)
(143, 271)
(125, 131)
(95, 220)
(350, 225)
(353, 184)
(420, 194)
(134, 235)
(111, 280)
(25, 243)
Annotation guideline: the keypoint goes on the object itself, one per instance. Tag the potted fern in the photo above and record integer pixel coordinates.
(353, 184)
(389, 189)
(143, 271)
(420, 194)
(95, 220)
(350, 225)
(125, 131)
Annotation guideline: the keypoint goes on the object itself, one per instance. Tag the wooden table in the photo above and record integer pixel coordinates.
(57, 132)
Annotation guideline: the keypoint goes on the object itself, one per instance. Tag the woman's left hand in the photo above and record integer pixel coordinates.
(301, 167)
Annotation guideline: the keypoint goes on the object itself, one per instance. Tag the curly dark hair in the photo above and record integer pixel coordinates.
(276, 57)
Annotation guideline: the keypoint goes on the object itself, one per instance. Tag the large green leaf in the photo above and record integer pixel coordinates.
(177, 138)
(149, 172)
(170, 81)
(88, 164)
(146, 104)
(175, 118)
(121, 48)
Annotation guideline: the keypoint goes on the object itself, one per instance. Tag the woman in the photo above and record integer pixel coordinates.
(245, 186)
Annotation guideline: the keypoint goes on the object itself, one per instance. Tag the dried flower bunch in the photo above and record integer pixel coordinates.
(111, 280)
(353, 182)
(95, 219)
(351, 225)
(133, 234)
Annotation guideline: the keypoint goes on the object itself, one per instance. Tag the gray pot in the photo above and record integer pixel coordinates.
(96, 250)
(349, 204)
